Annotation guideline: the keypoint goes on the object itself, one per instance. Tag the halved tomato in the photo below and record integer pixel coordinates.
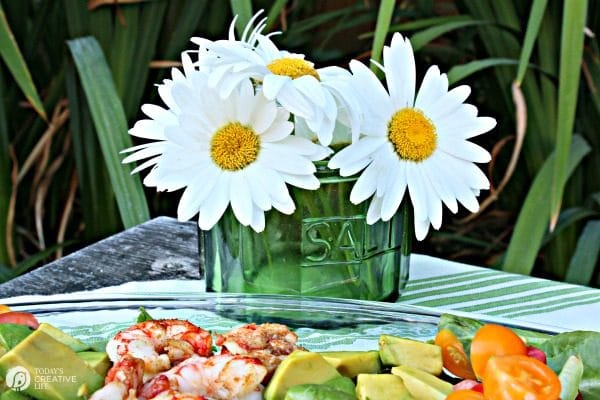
(465, 395)
(19, 318)
(519, 377)
(494, 340)
(453, 354)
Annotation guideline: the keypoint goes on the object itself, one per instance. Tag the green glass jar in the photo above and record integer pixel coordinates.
(325, 248)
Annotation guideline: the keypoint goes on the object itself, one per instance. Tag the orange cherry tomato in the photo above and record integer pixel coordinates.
(4, 309)
(453, 354)
(519, 377)
(465, 395)
(494, 340)
(19, 318)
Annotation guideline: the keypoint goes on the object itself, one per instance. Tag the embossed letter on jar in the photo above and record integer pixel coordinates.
(325, 248)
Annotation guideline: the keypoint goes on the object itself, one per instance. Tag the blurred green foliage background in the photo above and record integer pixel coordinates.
(75, 73)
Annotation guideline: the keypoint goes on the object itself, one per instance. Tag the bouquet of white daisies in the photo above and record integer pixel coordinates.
(244, 120)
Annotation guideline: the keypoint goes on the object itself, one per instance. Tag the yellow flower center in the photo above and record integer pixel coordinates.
(412, 134)
(292, 67)
(234, 147)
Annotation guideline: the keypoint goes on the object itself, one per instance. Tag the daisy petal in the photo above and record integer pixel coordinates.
(400, 71)
(394, 195)
(241, 198)
(365, 185)
(374, 211)
(216, 203)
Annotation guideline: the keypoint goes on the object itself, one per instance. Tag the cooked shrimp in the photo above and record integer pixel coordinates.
(218, 377)
(122, 381)
(270, 343)
(160, 343)
(172, 395)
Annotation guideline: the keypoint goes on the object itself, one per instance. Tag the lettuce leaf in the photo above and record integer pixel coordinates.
(585, 345)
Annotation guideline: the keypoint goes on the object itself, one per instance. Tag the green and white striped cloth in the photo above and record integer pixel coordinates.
(452, 286)
(440, 285)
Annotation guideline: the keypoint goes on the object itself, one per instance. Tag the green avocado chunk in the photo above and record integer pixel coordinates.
(352, 363)
(75, 344)
(421, 385)
(300, 367)
(381, 387)
(11, 335)
(335, 389)
(54, 371)
(98, 360)
(399, 351)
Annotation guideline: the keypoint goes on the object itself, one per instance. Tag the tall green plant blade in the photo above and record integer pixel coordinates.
(182, 19)
(583, 262)
(97, 198)
(111, 126)
(571, 51)
(567, 219)
(274, 13)
(533, 27)
(533, 217)
(382, 27)
(9, 50)
(5, 171)
(420, 39)
(460, 72)
(243, 10)
(420, 24)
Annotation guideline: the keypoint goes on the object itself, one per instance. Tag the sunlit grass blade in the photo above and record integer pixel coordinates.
(420, 24)
(111, 126)
(384, 18)
(460, 72)
(5, 182)
(97, 199)
(583, 262)
(534, 215)
(420, 39)
(9, 50)
(533, 27)
(571, 51)
(243, 10)
(274, 13)
(567, 219)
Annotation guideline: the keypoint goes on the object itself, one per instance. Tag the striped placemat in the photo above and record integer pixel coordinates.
(454, 286)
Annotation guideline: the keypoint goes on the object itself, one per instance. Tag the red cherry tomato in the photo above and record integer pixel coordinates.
(19, 318)
(465, 395)
(519, 377)
(536, 353)
(494, 340)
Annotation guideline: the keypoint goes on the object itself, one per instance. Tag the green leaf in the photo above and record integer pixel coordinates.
(9, 50)
(111, 126)
(143, 316)
(583, 262)
(384, 18)
(243, 9)
(460, 72)
(5, 181)
(420, 39)
(274, 13)
(533, 27)
(420, 24)
(533, 217)
(567, 218)
(571, 51)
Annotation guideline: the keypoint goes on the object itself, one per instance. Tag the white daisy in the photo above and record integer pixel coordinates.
(417, 143)
(318, 97)
(238, 150)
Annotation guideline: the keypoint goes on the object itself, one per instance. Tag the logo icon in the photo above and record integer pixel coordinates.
(18, 379)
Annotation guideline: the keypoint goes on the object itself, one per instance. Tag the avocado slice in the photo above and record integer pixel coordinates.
(11, 335)
(340, 388)
(55, 371)
(75, 344)
(399, 351)
(299, 368)
(352, 363)
(97, 360)
(421, 385)
(12, 395)
(381, 387)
